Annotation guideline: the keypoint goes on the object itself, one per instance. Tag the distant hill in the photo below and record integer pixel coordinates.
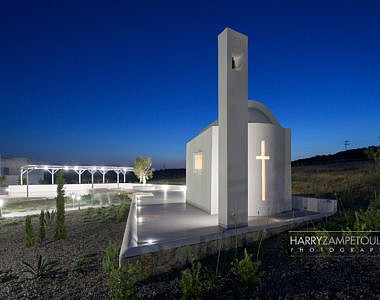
(168, 174)
(343, 156)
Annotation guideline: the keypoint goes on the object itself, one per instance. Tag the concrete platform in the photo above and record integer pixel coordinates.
(160, 221)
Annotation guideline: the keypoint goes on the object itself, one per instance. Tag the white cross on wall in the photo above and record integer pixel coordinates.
(263, 158)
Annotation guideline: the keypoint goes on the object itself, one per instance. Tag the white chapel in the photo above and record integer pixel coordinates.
(240, 165)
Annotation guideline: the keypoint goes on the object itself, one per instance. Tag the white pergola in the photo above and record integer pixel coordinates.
(52, 169)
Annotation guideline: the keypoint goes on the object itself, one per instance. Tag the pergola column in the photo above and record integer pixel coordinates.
(52, 172)
(92, 171)
(79, 172)
(117, 177)
(104, 172)
(124, 174)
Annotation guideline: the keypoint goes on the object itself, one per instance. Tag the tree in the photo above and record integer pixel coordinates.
(60, 227)
(2, 180)
(143, 169)
(42, 232)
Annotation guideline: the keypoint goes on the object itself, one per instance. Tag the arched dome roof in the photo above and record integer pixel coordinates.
(259, 113)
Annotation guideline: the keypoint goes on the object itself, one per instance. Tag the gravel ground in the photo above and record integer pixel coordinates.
(83, 237)
(284, 277)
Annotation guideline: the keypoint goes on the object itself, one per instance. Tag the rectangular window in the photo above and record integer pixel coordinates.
(198, 161)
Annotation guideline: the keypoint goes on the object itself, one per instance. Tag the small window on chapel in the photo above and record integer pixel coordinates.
(198, 162)
(236, 61)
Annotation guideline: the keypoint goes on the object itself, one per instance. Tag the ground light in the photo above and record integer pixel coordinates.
(73, 198)
(78, 199)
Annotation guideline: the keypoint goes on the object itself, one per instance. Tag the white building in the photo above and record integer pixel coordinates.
(240, 165)
(10, 168)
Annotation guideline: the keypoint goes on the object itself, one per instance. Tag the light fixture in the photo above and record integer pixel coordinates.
(76, 168)
(46, 168)
(139, 219)
(150, 241)
(66, 168)
(94, 168)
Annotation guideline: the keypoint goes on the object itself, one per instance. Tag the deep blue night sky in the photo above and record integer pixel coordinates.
(90, 82)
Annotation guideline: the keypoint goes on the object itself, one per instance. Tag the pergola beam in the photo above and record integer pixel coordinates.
(52, 169)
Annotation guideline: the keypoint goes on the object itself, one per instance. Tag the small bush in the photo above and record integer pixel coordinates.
(122, 281)
(84, 263)
(211, 281)
(247, 270)
(29, 236)
(111, 257)
(42, 269)
(122, 212)
(190, 282)
(50, 217)
(42, 232)
(86, 214)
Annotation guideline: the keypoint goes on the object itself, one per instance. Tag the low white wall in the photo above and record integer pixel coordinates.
(315, 204)
(50, 190)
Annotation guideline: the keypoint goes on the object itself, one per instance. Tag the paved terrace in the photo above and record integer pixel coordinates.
(160, 220)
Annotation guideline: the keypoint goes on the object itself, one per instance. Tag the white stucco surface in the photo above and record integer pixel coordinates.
(239, 180)
(232, 117)
(203, 188)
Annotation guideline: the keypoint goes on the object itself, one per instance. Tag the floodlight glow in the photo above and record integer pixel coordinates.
(165, 187)
(66, 168)
(140, 219)
(76, 168)
(78, 197)
(73, 196)
(94, 168)
(125, 170)
(102, 168)
(46, 168)
(1, 202)
(150, 241)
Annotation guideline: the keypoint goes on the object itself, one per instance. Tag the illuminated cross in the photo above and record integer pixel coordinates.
(263, 158)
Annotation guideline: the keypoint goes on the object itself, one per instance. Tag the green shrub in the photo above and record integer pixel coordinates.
(190, 282)
(247, 270)
(42, 269)
(111, 257)
(50, 217)
(122, 212)
(84, 263)
(29, 236)
(211, 280)
(60, 227)
(122, 281)
(41, 231)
